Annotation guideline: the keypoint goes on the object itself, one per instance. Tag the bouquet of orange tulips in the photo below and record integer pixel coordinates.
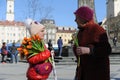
(31, 46)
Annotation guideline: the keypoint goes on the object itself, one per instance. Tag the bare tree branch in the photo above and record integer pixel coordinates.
(35, 9)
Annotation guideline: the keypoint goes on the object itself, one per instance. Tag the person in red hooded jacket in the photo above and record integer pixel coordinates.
(92, 48)
(32, 74)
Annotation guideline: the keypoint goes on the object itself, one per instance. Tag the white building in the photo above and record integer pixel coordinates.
(50, 30)
(11, 31)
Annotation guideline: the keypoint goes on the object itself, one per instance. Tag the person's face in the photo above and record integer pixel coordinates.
(42, 32)
(80, 22)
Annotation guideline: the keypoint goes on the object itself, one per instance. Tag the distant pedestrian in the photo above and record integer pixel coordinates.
(50, 46)
(60, 44)
(114, 41)
(4, 52)
(13, 51)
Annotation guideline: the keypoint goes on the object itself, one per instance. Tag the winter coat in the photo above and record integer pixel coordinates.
(38, 58)
(50, 46)
(4, 50)
(60, 43)
(94, 66)
(13, 49)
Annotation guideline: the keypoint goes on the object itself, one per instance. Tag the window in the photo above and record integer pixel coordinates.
(10, 11)
(7, 41)
(9, 5)
(13, 34)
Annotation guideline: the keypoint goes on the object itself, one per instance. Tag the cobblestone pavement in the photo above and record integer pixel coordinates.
(64, 72)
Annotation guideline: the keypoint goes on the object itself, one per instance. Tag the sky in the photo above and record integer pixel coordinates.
(61, 11)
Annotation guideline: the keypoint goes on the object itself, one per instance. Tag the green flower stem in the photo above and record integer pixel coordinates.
(34, 44)
(78, 63)
(76, 43)
(38, 45)
(35, 47)
(49, 60)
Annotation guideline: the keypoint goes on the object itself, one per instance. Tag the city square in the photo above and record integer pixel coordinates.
(13, 30)
(13, 71)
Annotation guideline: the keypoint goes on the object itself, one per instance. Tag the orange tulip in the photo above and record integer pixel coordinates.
(25, 38)
(29, 39)
(19, 49)
(33, 37)
(24, 42)
(24, 50)
(38, 39)
(26, 53)
(37, 36)
(29, 46)
(30, 43)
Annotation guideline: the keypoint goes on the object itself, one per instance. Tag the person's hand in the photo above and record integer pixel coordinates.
(82, 50)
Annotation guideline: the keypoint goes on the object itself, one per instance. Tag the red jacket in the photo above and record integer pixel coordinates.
(38, 58)
(94, 66)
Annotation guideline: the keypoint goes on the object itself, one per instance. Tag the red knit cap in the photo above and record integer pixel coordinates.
(84, 13)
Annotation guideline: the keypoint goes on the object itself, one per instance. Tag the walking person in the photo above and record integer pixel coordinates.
(4, 52)
(115, 41)
(50, 46)
(60, 44)
(92, 48)
(14, 54)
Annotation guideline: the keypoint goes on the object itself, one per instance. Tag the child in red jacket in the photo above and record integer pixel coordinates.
(38, 69)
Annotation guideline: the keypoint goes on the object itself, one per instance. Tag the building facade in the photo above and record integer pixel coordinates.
(113, 8)
(53, 32)
(12, 31)
(113, 19)
(50, 30)
(66, 34)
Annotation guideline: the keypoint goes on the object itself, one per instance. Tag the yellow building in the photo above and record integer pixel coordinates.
(65, 33)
